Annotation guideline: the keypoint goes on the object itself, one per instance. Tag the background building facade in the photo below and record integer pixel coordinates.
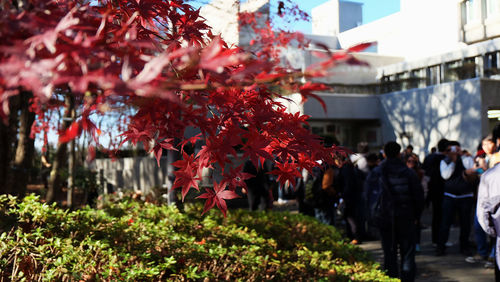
(432, 74)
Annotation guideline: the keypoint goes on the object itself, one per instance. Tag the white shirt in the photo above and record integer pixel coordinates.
(448, 169)
(360, 161)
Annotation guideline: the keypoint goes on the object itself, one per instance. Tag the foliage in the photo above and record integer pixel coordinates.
(156, 68)
(130, 240)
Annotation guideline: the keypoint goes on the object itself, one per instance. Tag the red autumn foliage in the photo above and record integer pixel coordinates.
(160, 59)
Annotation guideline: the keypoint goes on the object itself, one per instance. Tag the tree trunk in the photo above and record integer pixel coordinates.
(23, 160)
(71, 166)
(60, 157)
(5, 155)
(173, 199)
(8, 133)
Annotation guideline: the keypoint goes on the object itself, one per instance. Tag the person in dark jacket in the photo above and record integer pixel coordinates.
(258, 186)
(352, 195)
(407, 202)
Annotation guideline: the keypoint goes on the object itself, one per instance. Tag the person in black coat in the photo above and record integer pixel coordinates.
(258, 186)
(405, 201)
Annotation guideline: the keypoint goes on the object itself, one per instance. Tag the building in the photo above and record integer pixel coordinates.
(434, 72)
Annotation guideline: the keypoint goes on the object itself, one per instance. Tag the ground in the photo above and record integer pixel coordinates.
(451, 267)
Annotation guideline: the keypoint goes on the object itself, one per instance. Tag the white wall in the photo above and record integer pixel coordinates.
(352, 74)
(325, 18)
(138, 174)
(344, 106)
(222, 16)
(334, 16)
(450, 110)
(422, 28)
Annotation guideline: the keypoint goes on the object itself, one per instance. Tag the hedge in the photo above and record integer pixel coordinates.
(133, 240)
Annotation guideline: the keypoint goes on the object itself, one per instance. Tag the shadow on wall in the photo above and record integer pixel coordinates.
(423, 116)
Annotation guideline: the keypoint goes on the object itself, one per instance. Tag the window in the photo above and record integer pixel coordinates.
(469, 68)
(491, 64)
(492, 8)
(472, 11)
(389, 84)
(452, 70)
(402, 80)
(318, 130)
(433, 75)
(417, 78)
(459, 70)
(371, 136)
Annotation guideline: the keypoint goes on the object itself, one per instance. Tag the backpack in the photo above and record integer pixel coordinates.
(314, 193)
(312, 186)
(382, 207)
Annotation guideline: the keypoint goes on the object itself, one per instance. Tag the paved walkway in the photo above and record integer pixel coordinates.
(451, 267)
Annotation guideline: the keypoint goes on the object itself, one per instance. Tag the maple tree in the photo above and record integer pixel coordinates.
(160, 59)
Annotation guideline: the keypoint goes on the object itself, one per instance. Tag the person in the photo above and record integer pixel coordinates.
(305, 207)
(326, 195)
(458, 197)
(361, 168)
(435, 187)
(359, 159)
(406, 200)
(353, 202)
(369, 196)
(482, 163)
(412, 163)
(408, 152)
(488, 199)
(258, 186)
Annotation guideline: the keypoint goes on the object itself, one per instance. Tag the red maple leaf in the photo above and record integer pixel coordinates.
(187, 174)
(157, 65)
(70, 133)
(286, 172)
(360, 47)
(236, 178)
(159, 146)
(256, 148)
(217, 196)
(307, 89)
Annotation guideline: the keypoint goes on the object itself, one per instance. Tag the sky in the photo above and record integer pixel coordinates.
(372, 10)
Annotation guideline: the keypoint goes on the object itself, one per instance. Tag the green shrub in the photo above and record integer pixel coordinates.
(131, 240)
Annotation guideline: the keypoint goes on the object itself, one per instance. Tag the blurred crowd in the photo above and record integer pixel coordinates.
(382, 195)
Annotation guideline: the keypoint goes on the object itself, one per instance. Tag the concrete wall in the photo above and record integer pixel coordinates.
(334, 16)
(485, 26)
(138, 174)
(477, 49)
(422, 28)
(143, 174)
(261, 9)
(344, 106)
(223, 9)
(351, 15)
(450, 110)
(325, 18)
(490, 98)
